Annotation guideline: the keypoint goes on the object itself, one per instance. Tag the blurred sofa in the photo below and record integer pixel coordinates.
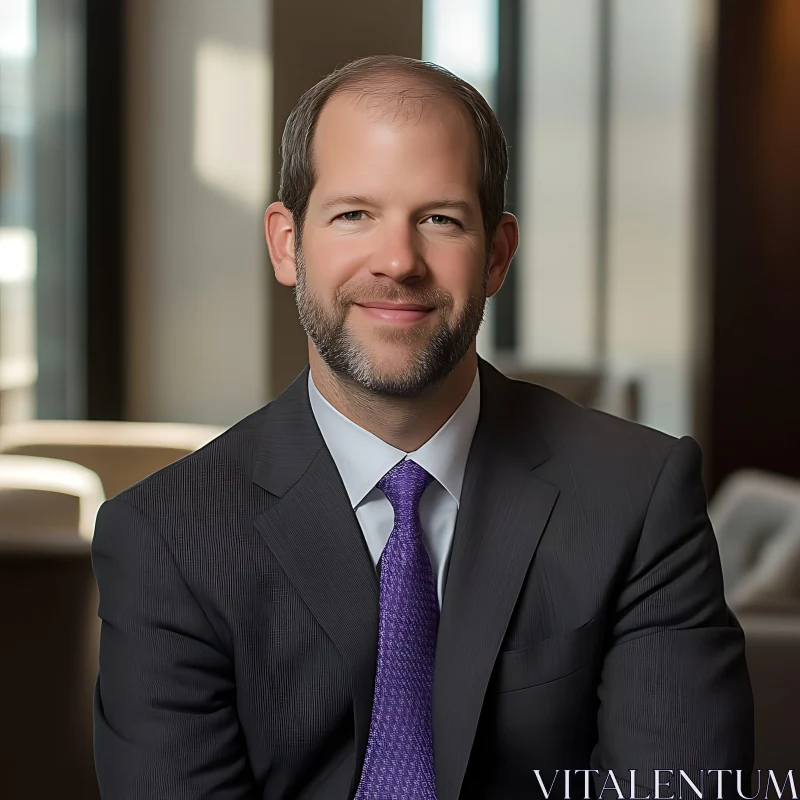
(756, 518)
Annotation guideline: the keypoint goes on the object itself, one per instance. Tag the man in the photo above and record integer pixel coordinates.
(409, 576)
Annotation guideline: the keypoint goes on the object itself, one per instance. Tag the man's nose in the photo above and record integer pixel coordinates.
(399, 255)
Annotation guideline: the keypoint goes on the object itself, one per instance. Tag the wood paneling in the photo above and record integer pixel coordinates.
(755, 402)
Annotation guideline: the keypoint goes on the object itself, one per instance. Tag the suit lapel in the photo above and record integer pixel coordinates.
(313, 532)
(503, 512)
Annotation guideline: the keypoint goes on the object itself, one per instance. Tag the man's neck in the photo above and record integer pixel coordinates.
(403, 422)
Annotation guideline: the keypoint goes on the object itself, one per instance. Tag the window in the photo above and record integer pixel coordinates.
(42, 219)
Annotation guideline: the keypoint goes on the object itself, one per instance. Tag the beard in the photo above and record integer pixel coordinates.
(434, 354)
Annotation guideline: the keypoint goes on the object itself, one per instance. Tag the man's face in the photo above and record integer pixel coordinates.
(391, 273)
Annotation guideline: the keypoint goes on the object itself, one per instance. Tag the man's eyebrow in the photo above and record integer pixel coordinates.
(347, 200)
(454, 203)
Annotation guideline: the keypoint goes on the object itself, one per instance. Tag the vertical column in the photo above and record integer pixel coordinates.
(653, 202)
(558, 140)
(59, 205)
(199, 154)
(753, 410)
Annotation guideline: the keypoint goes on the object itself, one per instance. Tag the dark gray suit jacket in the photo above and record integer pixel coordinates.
(583, 623)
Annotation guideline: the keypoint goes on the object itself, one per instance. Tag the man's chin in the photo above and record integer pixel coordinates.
(388, 374)
(391, 377)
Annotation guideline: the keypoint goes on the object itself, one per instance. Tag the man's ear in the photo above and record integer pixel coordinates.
(504, 245)
(279, 230)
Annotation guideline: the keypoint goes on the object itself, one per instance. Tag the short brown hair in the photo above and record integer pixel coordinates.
(298, 174)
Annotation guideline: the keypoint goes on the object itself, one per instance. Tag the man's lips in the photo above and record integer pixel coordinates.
(395, 306)
(394, 312)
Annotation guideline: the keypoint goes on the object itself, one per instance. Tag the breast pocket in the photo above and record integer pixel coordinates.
(550, 659)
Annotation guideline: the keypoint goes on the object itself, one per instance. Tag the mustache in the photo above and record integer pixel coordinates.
(383, 293)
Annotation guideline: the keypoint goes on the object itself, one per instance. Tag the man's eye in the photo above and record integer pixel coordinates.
(352, 216)
(440, 219)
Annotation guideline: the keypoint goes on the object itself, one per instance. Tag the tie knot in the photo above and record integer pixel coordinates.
(404, 484)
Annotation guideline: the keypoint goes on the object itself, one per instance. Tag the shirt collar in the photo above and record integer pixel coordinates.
(362, 458)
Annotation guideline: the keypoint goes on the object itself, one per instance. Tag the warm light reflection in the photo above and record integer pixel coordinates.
(18, 363)
(17, 255)
(231, 134)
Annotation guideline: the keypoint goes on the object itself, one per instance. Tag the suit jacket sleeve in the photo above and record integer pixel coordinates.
(164, 711)
(674, 690)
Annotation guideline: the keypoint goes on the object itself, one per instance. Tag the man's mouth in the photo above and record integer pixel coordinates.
(395, 312)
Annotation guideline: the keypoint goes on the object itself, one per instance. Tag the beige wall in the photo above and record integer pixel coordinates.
(656, 262)
(197, 158)
(211, 335)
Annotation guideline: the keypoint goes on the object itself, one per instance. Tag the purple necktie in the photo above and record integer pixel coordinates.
(399, 760)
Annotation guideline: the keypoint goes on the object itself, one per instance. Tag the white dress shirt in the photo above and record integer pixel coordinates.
(363, 459)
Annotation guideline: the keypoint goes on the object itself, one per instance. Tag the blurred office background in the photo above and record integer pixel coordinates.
(655, 171)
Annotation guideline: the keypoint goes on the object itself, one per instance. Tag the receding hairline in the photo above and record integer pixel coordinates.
(382, 76)
(411, 101)
(407, 94)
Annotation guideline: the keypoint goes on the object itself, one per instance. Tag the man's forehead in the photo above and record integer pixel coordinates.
(345, 149)
(399, 103)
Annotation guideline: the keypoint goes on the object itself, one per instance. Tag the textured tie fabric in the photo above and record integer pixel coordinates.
(398, 764)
